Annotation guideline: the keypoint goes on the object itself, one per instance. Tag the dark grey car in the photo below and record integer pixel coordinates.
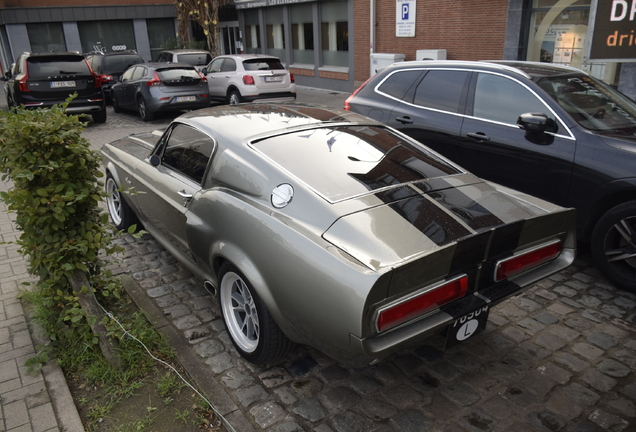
(150, 88)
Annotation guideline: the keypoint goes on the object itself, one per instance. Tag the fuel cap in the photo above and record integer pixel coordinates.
(282, 195)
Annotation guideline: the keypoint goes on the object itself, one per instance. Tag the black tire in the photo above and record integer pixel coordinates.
(251, 328)
(144, 113)
(122, 216)
(614, 245)
(100, 116)
(234, 97)
(114, 103)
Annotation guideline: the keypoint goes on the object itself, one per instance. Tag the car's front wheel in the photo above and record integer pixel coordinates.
(234, 97)
(144, 113)
(99, 116)
(120, 212)
(614, 245)
(252, 329)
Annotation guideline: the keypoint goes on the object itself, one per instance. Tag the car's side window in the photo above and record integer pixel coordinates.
(443, 90)
(216, 65)
(503, 100)
(229, 65)
(128, 74)
(397, 84)
(188, 151)
(139, 72)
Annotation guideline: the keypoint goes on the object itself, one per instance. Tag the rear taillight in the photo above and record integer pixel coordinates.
(155, 81)
(23, 86)
(421, 302)
(526, 260)
(203, 78)
(248, 80)
(97, 79)
(291, 78)
(106, 78)
(346, 104)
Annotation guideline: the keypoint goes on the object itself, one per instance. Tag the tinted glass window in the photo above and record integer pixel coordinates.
(398, 83)
(128, 74)
(139, 73)
(43, 67)
(501, 99)
(216, 65)
(442, 90)
(173, 74)
(229, 65)
(195, 59)
(342, 162)
(188, 151)
(119, 63)
(262, 64)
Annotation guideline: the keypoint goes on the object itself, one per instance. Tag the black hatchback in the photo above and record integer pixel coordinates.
(111, 65)
(47, 79)
(550, 131)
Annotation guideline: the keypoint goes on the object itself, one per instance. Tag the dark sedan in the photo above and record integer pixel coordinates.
(551, 131)
(150, 88)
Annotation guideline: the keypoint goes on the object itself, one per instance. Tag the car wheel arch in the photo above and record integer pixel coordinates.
(609, 196)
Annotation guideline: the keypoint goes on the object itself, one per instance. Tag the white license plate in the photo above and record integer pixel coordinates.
(58, 84)
(274, 79)
(186, 98)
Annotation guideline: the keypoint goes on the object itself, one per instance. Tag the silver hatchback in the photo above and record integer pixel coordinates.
(249, 77)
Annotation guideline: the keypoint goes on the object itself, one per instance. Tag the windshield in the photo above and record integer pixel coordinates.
(593, 104)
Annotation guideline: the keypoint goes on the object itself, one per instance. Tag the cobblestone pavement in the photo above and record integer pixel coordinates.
(561, 357)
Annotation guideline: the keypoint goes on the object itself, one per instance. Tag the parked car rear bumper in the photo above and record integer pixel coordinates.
(271, 97)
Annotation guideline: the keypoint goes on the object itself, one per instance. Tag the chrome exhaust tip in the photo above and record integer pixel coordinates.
(208, 286)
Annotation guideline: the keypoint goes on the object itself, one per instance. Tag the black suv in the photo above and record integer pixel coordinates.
(550, 131)
(110, 66)
(47, 79)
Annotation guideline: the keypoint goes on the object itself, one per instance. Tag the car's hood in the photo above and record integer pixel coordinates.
(426, 221)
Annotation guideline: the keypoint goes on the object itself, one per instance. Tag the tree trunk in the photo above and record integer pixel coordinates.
(88, 302)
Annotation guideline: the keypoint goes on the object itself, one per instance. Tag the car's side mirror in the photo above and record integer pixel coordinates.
(155, 160)
(204, 71)
(536, 125)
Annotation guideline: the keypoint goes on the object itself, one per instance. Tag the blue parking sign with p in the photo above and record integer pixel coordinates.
(405, 11)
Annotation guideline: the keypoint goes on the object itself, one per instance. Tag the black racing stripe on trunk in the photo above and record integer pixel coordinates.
(395, 194)
(470, 252)
(506, 239)
(440, 227)
(472, 213)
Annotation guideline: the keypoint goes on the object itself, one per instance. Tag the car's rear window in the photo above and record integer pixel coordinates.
(195, 59)
(172, 74)
(347, 161)
(262, 64)
(119, 63)
(44, 67)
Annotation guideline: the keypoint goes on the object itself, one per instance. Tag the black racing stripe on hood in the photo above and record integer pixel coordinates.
(472, 213)
(440, 227)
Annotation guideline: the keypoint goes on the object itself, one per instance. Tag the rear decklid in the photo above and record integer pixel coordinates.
(269, 73)
(55, 77)
(177, 78)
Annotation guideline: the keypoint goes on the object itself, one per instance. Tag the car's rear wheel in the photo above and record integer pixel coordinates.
(121, 214)
(614, 245)
(100, 116)
(234, 97)
(252, 329)
(144, 113)
(115, 103)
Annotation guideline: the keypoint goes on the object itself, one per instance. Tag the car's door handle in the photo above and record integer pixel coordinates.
(186, 197)
(404, 120)
(479, 136)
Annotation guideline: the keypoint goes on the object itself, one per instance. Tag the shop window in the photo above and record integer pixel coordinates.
(46, 37)
(335, 33)
(275, 30)
(160, 30)
(302, 28)
(252, 32)
(107, 36)
(442, 90)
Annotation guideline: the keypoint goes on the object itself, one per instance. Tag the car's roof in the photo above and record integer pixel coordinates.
(249, 56)
(113, 53)
(186, 51)
(54, 54)
(525, 69)
(164, 65)
(266, 119)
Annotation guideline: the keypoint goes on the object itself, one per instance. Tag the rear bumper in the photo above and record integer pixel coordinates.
(271, 97)
(380, 346)
(75, 107)
(173, 105)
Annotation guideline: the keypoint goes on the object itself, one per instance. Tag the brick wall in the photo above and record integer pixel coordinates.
(467, 29)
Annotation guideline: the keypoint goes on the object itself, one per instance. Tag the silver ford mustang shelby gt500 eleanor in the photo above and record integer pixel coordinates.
(326, 228)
